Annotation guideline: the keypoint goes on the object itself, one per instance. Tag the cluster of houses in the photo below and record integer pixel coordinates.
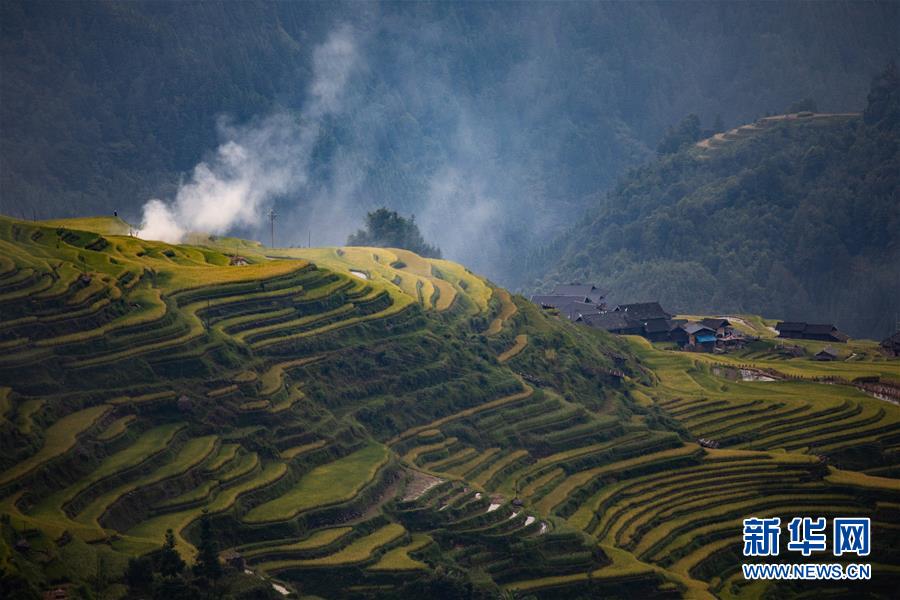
(587, 304)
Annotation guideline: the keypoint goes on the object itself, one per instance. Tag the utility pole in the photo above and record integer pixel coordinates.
(272, 216)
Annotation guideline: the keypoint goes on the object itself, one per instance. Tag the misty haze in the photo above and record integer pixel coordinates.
(447, 299)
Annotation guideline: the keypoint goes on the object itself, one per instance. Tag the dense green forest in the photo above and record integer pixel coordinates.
(790, 217)
(506, 120)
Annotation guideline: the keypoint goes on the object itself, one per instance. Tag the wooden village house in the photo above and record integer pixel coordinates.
(826, 354)
(573, 300)
(700, 337)
(589, 292)
(612, 322)
(891, 345)
(643, 311)
(824, 332)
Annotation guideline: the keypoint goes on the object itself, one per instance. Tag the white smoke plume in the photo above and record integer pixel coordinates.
(460, 196)
(256, 162)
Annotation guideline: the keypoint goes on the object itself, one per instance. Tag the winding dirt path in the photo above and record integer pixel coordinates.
(720, 139)
(508, 309)
(521, 343)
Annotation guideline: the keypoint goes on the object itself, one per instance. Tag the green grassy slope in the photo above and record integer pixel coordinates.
(349, 416)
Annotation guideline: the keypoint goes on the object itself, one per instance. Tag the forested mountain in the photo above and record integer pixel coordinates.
(794, 216)
(504, 119)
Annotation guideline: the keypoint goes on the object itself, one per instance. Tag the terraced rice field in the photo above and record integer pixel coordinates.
(116, 428)
(59, 438)
(121, 312)
(795, 415)
(319, 539)
(433, 283)
(787, 438)
(671, 513)
(721, 140)
(356, 552)
(399, 558)
(193, 453)
(368, 429)
(145, 535)
(333, 483)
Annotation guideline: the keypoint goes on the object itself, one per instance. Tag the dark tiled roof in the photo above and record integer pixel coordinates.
(556, 301)
(819, 328)
(828, 350)
(715, 323)
(678, 332)
(610, 321)
(790, 326)
(810, 329)
(570, 306)
(657, 325)
(574, 309)
(694, 328)
(585, 290)
(644, 311)
(893, 340)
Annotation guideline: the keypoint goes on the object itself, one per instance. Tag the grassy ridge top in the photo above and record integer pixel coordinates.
(48, 247)
(433, 283)
(101, 225)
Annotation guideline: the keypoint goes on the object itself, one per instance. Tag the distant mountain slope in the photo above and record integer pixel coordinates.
(796, 216)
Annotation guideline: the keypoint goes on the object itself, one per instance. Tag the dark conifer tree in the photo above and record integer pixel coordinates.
(139, 573)
(387, 229)
(884, 99)
(718, 125)
(170, 561)
(207, 564)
